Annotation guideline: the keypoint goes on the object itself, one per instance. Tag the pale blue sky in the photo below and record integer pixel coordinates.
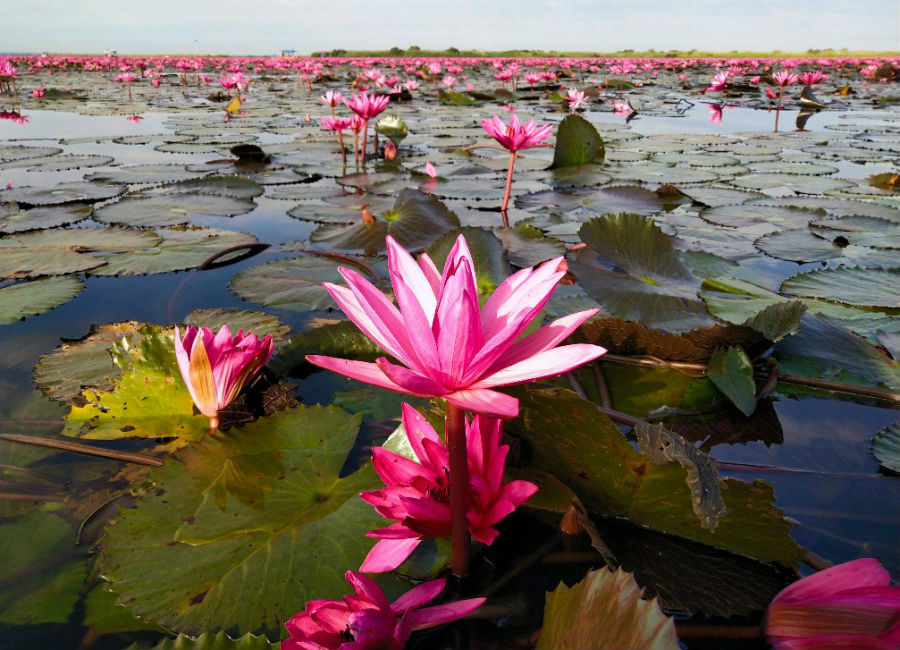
(255, 27)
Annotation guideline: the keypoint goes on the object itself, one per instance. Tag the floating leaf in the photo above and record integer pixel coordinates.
(180, 248)
(851, 286)
(602, 200)
(134, 174)
(799, 184)
(527, 246)
(652, 284)
(612, 479)
(605, 610)
(823, 349)
(26, 299)
(341, 339)
(238, 187)
(742, 303)
(63, 193)
(415, 221)
(46, 217)
(886, 447)
(732, 373)
(260, 510)
(577, 143)
(290, 283)
(208, 641)
(104, 615)
(165, 210)
(150, 400)
(41, 575)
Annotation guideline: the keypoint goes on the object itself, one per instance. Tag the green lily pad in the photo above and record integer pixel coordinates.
(732, 373)
(527, 246)
(577, 143)
(823, 349)
(779, 218)
(798, 184)
(181, 248)
(612, 479)
(133, 174)
(341, 339)
(260, 510)
(237, 187)
(47, 595)
(860, 230)
(784, 167)
(644, 278)
(605, 610)
(742, 303)
(604, 200)
(289, 283)
(75, 365)
(886, 447)
(18, 152)
(835, 207)
(850, 286)
(715, 197)
(149, 401)
(63, 193)
(58, 163)
(650, 172)
(164, 210)
(208, 641)
(104, 615)
(46, 217)
(811, 246)
(415, 221)
(26, 299)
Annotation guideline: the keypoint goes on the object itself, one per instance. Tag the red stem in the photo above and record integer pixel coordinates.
(365, 132)
(459, 489)
(509, 175)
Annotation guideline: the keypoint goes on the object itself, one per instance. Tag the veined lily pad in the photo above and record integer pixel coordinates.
(132, 174)
(886, 447)
(851, 286)
(291, 283)
(862, 231)
(613, 479)
(736, 216)
(645, 279)
(807, 246)
(415, 221)
(57, 163)
(605, 610)
(259, 510)
(26, 299)
(180, 248)
(63, 193)
(577, 143)
(732, 373)
(605, 200)
(170, 210)
(746, 304)
(799, 184)
(719, 196)
(238, 187)
(658, 173)
(45, 217)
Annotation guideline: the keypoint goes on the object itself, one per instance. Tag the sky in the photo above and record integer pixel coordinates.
(267, 27)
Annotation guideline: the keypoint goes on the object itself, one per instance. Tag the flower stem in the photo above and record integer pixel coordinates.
(213, 425)
(365, 138)
(459, 489)
(509, 175)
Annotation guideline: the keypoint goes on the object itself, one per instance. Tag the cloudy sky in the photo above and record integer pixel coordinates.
(253, 27)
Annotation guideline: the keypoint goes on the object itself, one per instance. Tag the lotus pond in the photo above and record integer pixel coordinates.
(741, 430)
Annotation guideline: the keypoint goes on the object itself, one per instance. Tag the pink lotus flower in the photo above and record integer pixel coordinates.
(849, 606)
(719, 82)
(430, 170)
(331, 98)
(812, 78)
(449, 82)
(37, 92)
(448, 346)
(622, 107)
(215, 367)
(770, 93)
(335, 123)
(785, 78)
(516, 137)
(417, 494)
(367, 106)
(367, 621)
(575, 98)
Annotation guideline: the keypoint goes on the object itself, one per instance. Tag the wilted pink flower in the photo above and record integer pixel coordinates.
(849, 606)
(367, 106)
(448, 346)
(367, 621)
(785, 78)
(516, 137)
(416, 494)
(215, 367)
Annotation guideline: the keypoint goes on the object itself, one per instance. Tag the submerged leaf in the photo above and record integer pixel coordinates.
(605, 610)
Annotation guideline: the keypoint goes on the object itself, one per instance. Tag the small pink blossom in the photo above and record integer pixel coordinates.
(367, 621)
(516, 136)
(37, 92)
(430, 170)
(367, 106)
(331, 98)
(785, 78)
(416, 494)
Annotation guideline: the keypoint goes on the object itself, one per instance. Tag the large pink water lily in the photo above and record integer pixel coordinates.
(851, 606)
(416, 494)
(367, 621)
(215, 367)
(448, 346)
